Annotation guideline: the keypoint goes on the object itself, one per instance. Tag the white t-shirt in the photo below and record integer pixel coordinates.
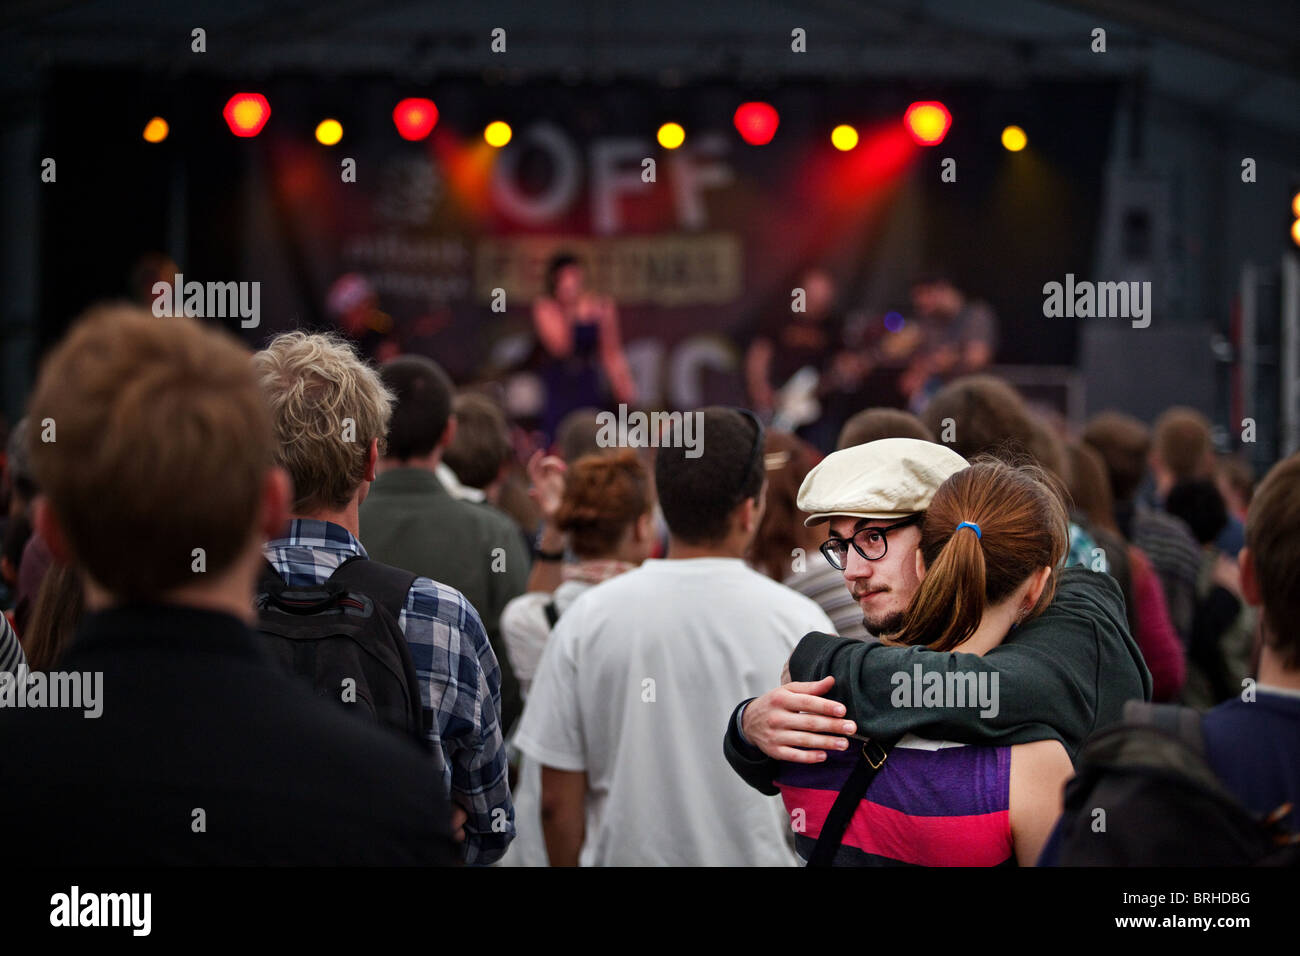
(636, 686)
(525, 629)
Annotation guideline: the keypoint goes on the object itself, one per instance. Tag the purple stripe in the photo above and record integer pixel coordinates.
(955, 781)
(830, 775)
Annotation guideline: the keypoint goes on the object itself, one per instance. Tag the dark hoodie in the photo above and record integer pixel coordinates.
(1061, 676)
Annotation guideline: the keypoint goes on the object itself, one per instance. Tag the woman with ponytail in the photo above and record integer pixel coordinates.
(993, 539)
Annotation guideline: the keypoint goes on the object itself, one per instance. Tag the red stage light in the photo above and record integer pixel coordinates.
(928, 122)
(415, 118)
(756, 123)
(246, 113)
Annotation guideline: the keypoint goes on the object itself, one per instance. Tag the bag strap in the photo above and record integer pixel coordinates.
(269, 580)
(274, 591)
(552, 613)
(874, 754)
(1183, 723)
(386, 586)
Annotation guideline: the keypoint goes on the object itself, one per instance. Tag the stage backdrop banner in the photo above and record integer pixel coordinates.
(697, 245)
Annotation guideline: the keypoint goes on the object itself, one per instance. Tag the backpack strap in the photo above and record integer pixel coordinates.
(269, 580)
(274, 591)
(552, 613)
(874, 754)
(386, 586)
(1183, 723)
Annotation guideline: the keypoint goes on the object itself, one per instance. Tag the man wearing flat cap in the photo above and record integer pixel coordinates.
(1061, 675)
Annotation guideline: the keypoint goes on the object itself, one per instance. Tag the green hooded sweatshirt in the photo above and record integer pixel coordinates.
(1061, 676)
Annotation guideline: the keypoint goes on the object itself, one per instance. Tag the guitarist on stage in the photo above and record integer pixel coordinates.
(808, 372)
(788, 342)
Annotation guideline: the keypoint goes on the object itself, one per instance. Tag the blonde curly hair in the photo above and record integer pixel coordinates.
(327, 405)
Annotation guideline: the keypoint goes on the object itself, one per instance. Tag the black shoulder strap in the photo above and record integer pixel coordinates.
(552, 613)
(386, 586)
(269, 580)
(1181, 722)
(874, 754)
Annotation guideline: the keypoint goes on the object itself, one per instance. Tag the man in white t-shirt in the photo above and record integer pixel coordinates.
(640, 664)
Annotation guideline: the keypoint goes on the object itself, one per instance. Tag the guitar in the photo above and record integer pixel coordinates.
(798, 401)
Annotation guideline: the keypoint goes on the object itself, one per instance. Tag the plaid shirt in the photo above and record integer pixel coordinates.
(460, 681)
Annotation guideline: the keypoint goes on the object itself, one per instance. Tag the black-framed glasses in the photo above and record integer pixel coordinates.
(872, 543)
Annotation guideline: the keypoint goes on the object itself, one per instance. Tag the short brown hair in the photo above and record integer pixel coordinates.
(986, 414)
(872, 424)
(578, 434)
(989, 417)
(603, 495)
(1273, 537)
(481, 444)
(162, 445)
(1048, 450)
(1090, 486)
(422, 394)
(1238, 476)
(1023, 527)
(328, 406)
(1123, 443)
(1181, 441)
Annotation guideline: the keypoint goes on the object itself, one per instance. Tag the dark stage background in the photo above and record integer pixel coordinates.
(695, 259)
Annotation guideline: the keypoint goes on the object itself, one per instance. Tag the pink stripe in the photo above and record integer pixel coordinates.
(976, 840)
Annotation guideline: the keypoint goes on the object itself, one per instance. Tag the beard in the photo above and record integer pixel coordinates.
(883, 625)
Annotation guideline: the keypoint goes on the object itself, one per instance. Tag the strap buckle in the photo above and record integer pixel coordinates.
(875, 763)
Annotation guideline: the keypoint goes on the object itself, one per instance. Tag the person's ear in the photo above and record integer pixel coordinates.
(1037, 583)
(448, 433)
(372, 458)
(751, 511)
(643, 528)
(47, 526)
(745, 514)
(277, 499)
(1155, 464)
(1249, 578)
(919, 561)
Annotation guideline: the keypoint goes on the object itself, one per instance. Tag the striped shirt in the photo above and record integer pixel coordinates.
(1176, 557)
(11, 652)
(826, 586)
(932, 804)
(460, 682)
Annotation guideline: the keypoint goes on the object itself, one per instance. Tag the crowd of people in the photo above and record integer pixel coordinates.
(327, 616)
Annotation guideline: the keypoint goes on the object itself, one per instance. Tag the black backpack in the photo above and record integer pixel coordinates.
(1164, 805)
(346, 629)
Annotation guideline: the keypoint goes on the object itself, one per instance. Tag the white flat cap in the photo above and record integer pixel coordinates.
(889, 478)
